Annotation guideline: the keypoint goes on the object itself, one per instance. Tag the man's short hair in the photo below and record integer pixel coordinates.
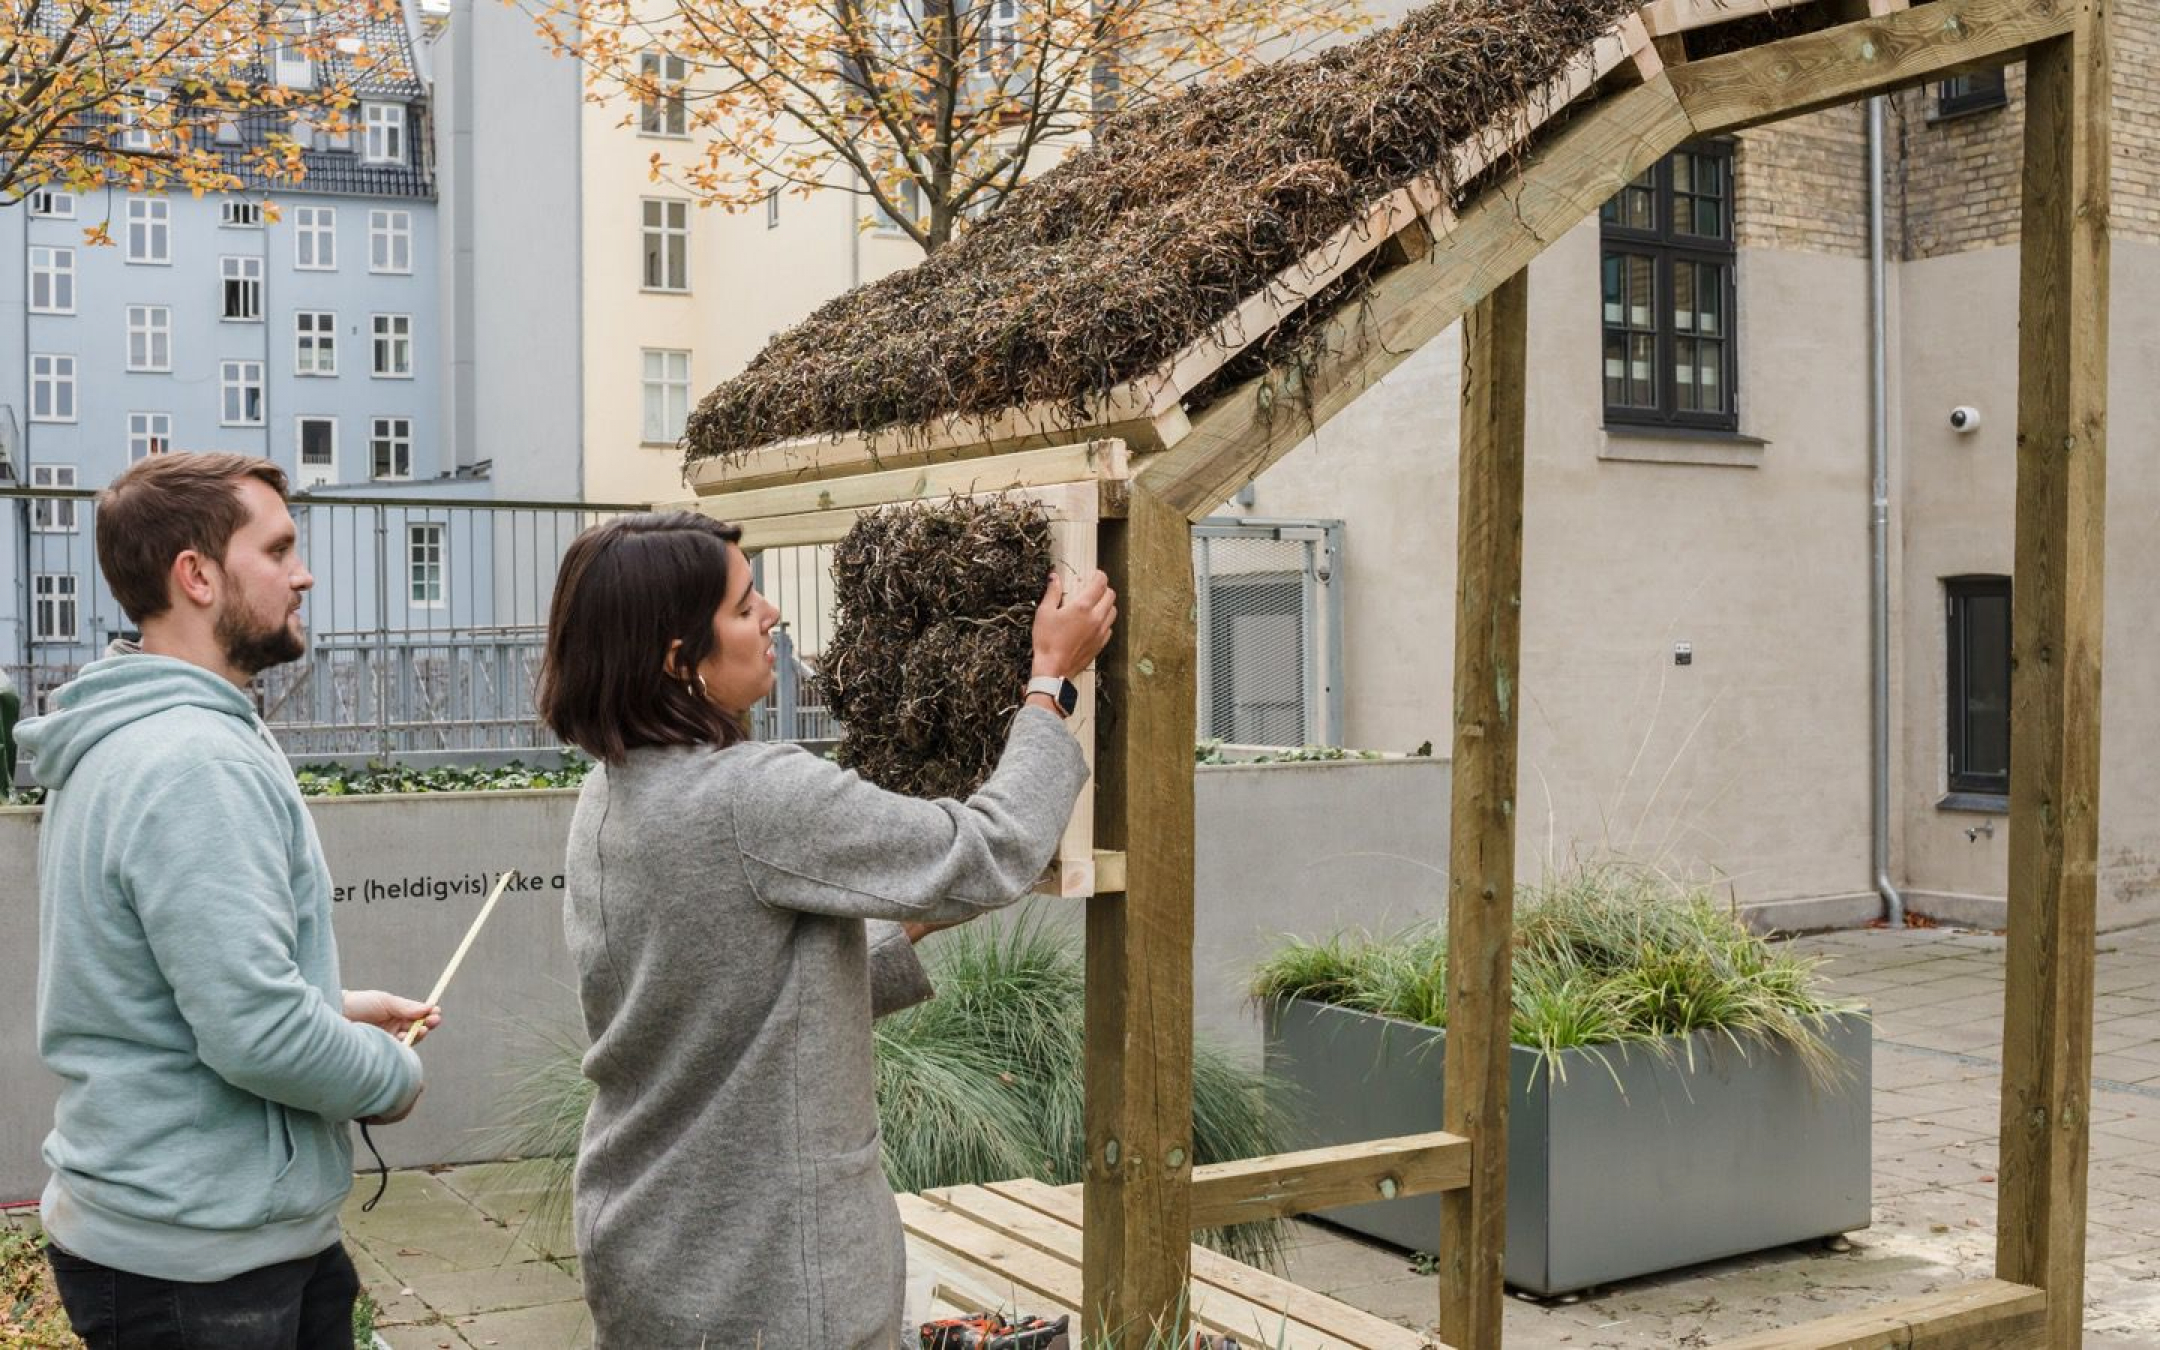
(161, 507)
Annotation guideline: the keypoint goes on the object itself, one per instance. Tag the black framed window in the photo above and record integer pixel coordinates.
(1979, 669)
(1668, 353)
(1977, 92)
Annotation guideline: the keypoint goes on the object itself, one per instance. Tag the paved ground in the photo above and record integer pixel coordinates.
(458, 1259)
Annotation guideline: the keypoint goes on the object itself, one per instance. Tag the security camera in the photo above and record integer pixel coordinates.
(1964, 419)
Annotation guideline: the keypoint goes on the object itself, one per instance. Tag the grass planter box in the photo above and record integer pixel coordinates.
(1606, 1180)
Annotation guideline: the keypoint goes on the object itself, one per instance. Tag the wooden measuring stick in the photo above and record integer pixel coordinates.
(412, 1033)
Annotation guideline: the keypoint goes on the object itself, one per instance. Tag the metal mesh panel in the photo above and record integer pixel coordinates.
(799, 581)
(1266, 658)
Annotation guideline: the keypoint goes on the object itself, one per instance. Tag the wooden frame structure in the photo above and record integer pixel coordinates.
(1151, 467)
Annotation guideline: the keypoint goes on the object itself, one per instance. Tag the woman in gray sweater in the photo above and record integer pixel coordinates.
(738, 914)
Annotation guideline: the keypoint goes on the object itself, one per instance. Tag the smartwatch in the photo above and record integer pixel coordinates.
(1062, 692)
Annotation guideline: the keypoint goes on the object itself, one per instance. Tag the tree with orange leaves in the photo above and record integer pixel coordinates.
(145, 94)
(930, 110)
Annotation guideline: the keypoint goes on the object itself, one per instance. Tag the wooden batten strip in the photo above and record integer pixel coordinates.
(1669, 17)
(1087, 461)
(1282, 1184)
(1984, 1315)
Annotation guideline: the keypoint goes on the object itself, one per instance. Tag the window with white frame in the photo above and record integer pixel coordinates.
(149, 230)
(46, 515)
(52, 280)
(772, 209)
(384, 124)
(139, 131)
(243, 215)
(243, 288)
(53, 617)
(910, 197)
(315, 238)
(314, 342)
(389, 241)
(241, 386)
(149, 433)
(667, 244)
(149, 334)
(228, 129)
(290, 63)
(52, 388)
(55, 203)
(663, 112)
(393, 346)
(390, 448)
(424, 573)
(667, 395)
(997, 40)
(318, 442)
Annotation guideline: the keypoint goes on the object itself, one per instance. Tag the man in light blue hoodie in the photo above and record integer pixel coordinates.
(188, 990)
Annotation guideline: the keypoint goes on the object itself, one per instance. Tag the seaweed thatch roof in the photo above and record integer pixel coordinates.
(1133, 249)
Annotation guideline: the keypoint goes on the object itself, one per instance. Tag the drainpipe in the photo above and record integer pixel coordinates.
(1893, 911)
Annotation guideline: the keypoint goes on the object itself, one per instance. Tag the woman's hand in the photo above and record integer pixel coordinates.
(393, 1014)
(1072, 626)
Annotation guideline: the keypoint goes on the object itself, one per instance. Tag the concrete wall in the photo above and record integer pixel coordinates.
(1301, 849)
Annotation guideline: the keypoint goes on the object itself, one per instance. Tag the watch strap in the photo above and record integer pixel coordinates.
(1061, 691)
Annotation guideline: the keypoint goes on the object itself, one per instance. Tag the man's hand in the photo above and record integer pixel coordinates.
(393, 1014)
(392, 1117)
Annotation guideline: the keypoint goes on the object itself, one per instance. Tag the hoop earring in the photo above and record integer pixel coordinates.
(696, 685)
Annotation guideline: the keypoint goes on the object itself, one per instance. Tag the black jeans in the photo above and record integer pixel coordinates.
(295, 1305)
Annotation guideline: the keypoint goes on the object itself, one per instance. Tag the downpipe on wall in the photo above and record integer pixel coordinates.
(1893, 903)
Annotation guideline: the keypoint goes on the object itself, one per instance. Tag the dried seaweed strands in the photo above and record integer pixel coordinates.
(1109, 264)
(932, 638)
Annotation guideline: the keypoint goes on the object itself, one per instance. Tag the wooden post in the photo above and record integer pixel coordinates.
(1481, 855)
(2055, 671)
(1136, 1244)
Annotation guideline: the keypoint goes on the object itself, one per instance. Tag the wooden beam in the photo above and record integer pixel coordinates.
(2055, 646)
(1837, 65)
(1139, 945)
(1664, 17)
(1086, 461)
(1282, 1184)
(1498, 234)
(1481, 853)
(1985, 1315)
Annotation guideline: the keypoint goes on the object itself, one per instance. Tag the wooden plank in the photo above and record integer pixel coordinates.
(1074, 549)
(1139, 945)
(825, 527)
(1481, 853)
(1984, 1315)
(1282, 1184)
(1109, 872)
(1673, 17)
(2055, 645)
(1837, 65)
(1213, 1307)
(1029, 1272)
(1499, 232)
(1213, 1268)
(1088, 460)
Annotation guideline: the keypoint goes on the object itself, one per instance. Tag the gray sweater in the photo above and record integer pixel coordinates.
(733, 915)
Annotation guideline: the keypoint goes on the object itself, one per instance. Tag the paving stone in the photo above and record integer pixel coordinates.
(423, 1226)
(549, 1326)
(394, 1306)
(463, 1293)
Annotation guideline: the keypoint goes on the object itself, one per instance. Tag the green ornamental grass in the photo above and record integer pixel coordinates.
(1605, 955)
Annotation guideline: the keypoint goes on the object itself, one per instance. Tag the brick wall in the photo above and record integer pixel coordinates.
(1954, 181)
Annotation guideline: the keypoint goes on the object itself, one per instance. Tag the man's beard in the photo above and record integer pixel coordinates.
(254, 650)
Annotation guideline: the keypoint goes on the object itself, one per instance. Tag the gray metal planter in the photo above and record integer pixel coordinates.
(1612, 1172)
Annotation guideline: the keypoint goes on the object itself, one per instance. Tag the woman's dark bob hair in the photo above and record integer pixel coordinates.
(626, 589)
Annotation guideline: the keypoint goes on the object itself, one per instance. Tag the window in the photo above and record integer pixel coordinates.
(149, 230)
(1668, 294)
(1972, 93)
(314, 342)
(667, 244)
(290, 64)
(228, 132)
(148, 434)
(1979, 671)
(138, 123)
(998, 39)
(149, 332)
(243, 215)
(667, 395)
(393, 346)
(53, 202)
(52, 388)
(243, 288)
(241, 383)
(385, 126)
(53, 613)
(424, 574)
(52, 280)
(663, 111)
(318, 449)
(390, 448)
(772, 209)
(389, 241)
(52, 517)
(315, 238)
(910, 204)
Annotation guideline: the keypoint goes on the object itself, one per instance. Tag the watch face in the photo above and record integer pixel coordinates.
(1068, 696)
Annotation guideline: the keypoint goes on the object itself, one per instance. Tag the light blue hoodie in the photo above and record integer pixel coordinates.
(188, 984)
